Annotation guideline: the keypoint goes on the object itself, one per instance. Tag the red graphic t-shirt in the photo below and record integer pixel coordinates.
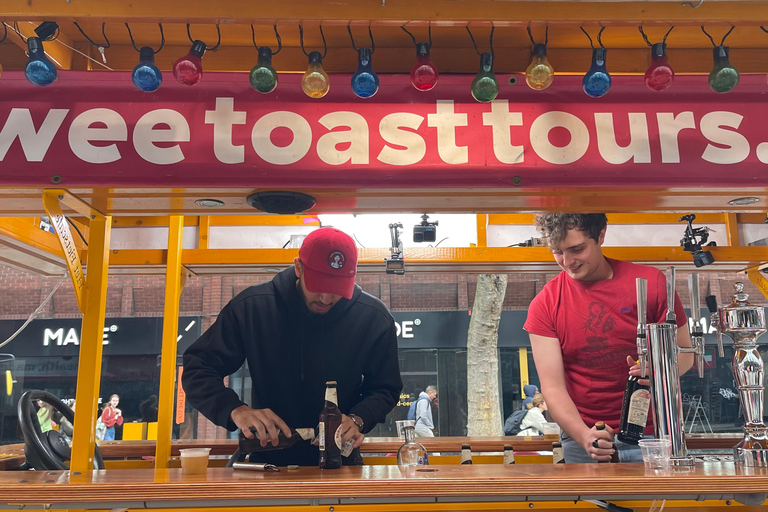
(596, 323)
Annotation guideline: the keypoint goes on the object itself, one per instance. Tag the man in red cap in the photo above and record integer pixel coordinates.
(309, 325)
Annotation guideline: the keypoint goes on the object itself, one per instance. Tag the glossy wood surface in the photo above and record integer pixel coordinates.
(386, 483)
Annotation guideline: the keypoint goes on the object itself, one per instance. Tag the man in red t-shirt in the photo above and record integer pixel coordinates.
(583, 329)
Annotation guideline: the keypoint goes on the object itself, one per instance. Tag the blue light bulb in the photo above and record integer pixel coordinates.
(39, 70)
(146, 76)
(597, 81)
(365, 82)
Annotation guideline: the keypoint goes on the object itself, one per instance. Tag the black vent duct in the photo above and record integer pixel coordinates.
(281, 202)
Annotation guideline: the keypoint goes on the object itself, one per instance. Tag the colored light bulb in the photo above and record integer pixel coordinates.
(723, 77)
(315, 82)
(597, 81)
(263, 76)
(365, 81)
(660, 74)
(540, 73)
(188, 70)
(39, 70)
(146, 76)
(485, 87)
(424, 74)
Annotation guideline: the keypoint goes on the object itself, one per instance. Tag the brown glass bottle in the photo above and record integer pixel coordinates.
(330, 429)
(615, 456)
(634, 411)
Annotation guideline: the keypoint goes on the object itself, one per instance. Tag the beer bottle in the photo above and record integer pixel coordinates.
(634, 411)
(509, 454)
(558, 457)
(330, 429)
(615, 455)
(466, 454)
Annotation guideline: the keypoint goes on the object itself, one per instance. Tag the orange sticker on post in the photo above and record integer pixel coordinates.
(181, 399)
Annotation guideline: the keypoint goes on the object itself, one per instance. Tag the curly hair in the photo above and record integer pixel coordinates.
(554, 227)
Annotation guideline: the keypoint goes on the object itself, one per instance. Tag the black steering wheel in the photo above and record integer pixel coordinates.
(47, 450)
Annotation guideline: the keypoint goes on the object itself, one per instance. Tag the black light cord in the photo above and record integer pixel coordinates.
(162, 38)
(414, 39)
(301, 41)
(490, 39)
(78, 231)
(103, 33)
(279, 41)
(209, 48)
(546, 36)
(722, 43)
(645, 37)
(5, 36)
(599, 37)
(18, 33)
(373, 45)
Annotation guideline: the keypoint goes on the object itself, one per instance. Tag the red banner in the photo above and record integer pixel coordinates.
(97, 129)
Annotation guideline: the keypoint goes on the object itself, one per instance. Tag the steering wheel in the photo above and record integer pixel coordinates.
(47, 450)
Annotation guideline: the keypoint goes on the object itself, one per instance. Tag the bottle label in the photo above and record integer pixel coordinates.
(307, 434)
(557, 456)
(321, 435)
(330, 395)
(337, 437)
(639, 403)
(509, 457)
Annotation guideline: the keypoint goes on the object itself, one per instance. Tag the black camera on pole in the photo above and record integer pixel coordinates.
(693, 239)
(426, 231)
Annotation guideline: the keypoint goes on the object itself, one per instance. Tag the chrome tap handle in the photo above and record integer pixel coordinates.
(642, 306)
(671, 318)
(714, 321)
(697, 333)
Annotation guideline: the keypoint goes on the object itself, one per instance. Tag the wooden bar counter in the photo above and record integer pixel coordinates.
(220, 487)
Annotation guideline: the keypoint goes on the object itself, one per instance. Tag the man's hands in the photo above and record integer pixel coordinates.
(264, 421)
(598, 443)
(350, 431)
(634, 370)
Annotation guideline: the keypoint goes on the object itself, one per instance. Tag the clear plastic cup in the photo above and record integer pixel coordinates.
(656, 453)
(194, 461)
(401, 427)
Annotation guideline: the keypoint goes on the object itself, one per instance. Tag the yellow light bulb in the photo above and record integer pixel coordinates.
(540, 73)
(315, 82)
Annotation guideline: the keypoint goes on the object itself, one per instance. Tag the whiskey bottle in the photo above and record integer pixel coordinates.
(634, 411)
(466, 454)
(615, 455)
(558, 457)
(329, 431)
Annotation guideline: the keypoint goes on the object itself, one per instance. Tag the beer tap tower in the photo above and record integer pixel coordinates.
(744, 323)
(657, 344)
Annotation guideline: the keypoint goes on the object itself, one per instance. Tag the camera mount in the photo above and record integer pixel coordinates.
(693, 239)
(395, 264)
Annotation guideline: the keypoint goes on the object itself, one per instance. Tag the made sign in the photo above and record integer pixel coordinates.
(97, 129)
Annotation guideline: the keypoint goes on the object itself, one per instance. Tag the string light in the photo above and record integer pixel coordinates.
(101, 47)
(188, 70)
(315, 82)
(365, 81)
(263, 77)
(540, 73)
(484, 87)
(597, 81)
(659, 74)
(39, 70)
(424, 73)
(146, 76)
(723, 77)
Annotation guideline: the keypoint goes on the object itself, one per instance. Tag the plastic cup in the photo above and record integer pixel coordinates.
(194, 461)
(551, 429)
(401, 427)
(656, 453)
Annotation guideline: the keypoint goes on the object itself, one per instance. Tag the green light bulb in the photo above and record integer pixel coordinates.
(540, 73)
(485, 87)
(723, 77)
(263, 76)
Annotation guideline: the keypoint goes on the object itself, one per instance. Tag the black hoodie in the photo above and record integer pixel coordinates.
(291, 353)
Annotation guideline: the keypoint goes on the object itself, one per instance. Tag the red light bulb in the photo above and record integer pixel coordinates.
(660, 74)
(188, 70)
(424, 73)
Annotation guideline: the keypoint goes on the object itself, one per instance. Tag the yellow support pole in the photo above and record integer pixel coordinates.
(523, 355)
(91, 343)
(732, 229)
(757, 277)
(173, 286)
(482, 230)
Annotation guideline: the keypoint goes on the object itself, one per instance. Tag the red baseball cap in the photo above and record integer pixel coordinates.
(330, 262)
